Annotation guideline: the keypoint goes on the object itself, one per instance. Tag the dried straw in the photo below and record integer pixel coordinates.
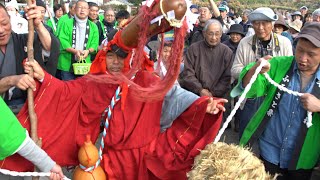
(224, 161)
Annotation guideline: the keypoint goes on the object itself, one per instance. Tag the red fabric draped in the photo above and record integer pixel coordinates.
(134, 147)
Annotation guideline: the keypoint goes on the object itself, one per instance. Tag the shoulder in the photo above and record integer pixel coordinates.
(284, 40)
(246, 41)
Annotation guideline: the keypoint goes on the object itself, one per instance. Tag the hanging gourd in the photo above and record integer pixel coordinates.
(88, 156)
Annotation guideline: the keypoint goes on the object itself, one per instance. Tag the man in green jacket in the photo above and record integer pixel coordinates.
(79, 38)
(287, 146)
(14, 139)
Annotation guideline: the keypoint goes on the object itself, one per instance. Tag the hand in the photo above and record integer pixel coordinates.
(216, 105)
(56, 173)
(85, 53)
(310, 102)
(32, 12)
(38, 72)
(266, 67)
(24, 82)
(78, 54)
(205, 92)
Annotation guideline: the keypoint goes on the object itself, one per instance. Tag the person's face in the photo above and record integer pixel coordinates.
(316, 18)
(235, 37)
(109, 16)
(309, 19)
(303, 11)
(115, 63)
(59, 13)
(244, 17)
(223, 14)
(166, 52)
(11, 10)
(43, 12)
(195, 11)
(296, 17)
(82, 10)
(72, 11)
(93, 12)
(307, 56)
(5, 27)
(278, 29)
(213, 34)
(205, 14)
(262, 29)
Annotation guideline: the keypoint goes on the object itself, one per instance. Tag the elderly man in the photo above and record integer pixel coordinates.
(109, 22)
(207, 64)
(287, 146)
(316, 15)
(79, 38)
(12, 80)
(251, 48)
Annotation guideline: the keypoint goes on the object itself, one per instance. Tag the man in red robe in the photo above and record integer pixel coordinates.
(134, 146)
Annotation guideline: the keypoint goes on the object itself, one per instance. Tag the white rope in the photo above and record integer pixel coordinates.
(308, 120)
(22, 174)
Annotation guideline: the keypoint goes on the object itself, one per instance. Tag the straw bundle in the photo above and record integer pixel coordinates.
(224, 161)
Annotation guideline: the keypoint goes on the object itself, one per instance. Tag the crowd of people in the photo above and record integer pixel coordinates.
(219, 56)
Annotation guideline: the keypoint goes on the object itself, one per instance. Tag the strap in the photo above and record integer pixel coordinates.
(275, 39)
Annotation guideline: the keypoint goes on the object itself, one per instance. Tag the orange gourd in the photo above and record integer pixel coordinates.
(88, 156)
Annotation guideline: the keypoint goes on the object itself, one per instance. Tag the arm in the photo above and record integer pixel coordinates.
(23, 82)
(238, 62)
(215, 9)
(188, 79)
(32, 12)
(310, 102)
(224, 83)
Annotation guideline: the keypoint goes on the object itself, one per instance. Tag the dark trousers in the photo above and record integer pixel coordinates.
(285, 174)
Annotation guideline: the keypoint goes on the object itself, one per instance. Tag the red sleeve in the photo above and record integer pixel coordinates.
(174, 152)
(63, 121)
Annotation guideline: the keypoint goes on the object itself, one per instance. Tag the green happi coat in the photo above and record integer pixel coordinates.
(65, 37)
(12, 134)
(308, 149)
(49, 23)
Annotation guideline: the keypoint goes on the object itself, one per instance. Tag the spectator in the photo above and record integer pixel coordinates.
(307, 18)
(251, 48)
(58, 12)
(281, 27)
(93, 16)
(295, 27)
(109, 22)
(287, 146)
(122, 17)
(227, 21)
(19, 25)
(296, 16)
(236, 33)
(207, 64)
(303, 11)
(245, 21)
(79, 38)
(13, 81)
(316, 15)
(194, 9)
(197, 35)
(69, 15)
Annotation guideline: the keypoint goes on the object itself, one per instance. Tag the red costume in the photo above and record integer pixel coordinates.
(134, 147)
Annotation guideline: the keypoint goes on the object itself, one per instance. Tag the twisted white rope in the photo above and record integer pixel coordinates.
(22, 174)
(246, 90)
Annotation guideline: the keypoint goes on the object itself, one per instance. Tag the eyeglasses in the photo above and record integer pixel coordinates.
(80, 7)
(216, 34)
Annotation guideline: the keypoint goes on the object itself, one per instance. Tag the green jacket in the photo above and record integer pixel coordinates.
(61, 21)
(309, 148)
(65, 37)
(12, 134)
(49, 23)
